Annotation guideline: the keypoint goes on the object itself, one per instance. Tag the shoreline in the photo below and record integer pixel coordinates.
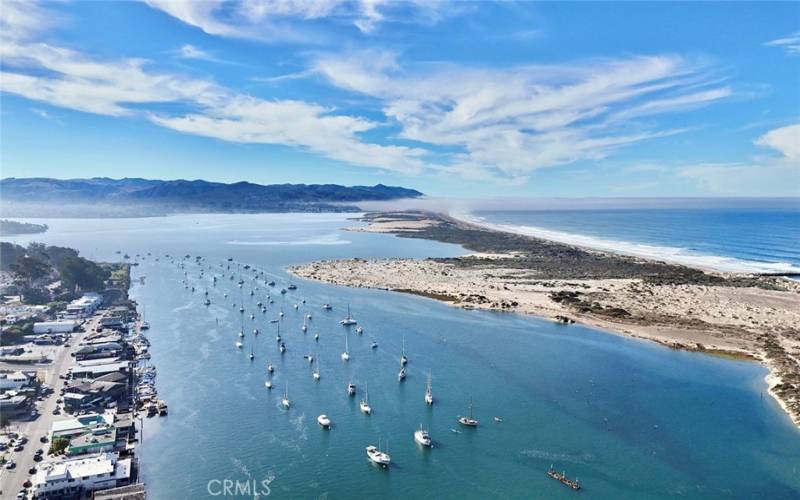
(743, 316)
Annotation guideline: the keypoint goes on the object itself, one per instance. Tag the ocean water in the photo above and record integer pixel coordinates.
(630, 419)
(729, 239)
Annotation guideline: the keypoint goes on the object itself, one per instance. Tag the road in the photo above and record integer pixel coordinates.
(11, 481)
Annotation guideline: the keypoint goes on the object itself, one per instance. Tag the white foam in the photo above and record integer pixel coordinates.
(675, 255)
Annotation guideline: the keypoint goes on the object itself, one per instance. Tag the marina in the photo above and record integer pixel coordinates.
(590, 419)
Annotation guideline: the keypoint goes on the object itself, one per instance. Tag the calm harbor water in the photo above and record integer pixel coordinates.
(630, 419)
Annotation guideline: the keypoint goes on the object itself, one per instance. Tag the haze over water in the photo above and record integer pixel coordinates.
(630, 419)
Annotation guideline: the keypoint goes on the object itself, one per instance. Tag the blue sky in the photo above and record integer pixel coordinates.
(454, 99)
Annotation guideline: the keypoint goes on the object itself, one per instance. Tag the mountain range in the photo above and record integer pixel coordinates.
(34, 197)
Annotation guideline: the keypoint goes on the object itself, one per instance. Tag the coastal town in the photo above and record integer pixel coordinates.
(75, 379)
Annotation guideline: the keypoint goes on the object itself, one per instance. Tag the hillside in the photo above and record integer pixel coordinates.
(131, 196)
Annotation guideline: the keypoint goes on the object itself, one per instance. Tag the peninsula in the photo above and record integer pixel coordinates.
(739, 315)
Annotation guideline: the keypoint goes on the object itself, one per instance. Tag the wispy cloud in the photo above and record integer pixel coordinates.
(510, 122)
(274, 20)
(129, 87)
(789, 43)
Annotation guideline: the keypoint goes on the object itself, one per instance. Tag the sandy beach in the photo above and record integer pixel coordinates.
(743, 316)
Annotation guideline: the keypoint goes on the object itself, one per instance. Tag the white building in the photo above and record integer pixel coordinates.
(65, 326)
(75, 476)
(83, 307)
(13, 381)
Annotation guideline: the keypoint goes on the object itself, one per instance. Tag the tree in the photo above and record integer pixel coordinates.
(77, 272)
(29, 269)
(58, 445)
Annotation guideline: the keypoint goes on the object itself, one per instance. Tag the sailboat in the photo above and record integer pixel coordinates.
(422, 437)
(401, 375)
(305, 326)
(327, 307)
(268, 384)
(241, 329)
(349, 319)
(346, 353)
(403, 358)
(252, 354)
(468, 421)
(316, 336)
(278, 336)
(285, 401)
(282, 348)
(317, 375)
(239, 345)
(359, 330)
(379, 457)
(428, 391)
(270, 368)
(364, 404)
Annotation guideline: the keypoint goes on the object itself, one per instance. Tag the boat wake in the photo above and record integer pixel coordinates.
(328, 239)
(676, 255)
(557, 457)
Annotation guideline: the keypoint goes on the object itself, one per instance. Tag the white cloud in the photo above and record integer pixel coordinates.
(128, 87)
(789, 43)
(272, 20)
(784, 139)
(188, 51)
(510, 122)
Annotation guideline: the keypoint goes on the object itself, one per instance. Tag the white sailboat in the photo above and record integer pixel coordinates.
(285, 401)
(270, 368)
(401, 375)
(381, 458)
(317, 375)
(268, 384)
(428, 391)
(349, 319)
(252, 354)
(468, 421)
(364, 404)
(422, 437)
(239, 345)
(346, 353)
(305, 326)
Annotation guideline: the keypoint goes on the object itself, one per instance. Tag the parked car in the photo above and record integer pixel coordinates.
(43, 439)
(19, 447)
(37, 458)
(32, 471)
(10, 464)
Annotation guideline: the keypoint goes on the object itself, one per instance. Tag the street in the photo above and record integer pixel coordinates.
(11, 481)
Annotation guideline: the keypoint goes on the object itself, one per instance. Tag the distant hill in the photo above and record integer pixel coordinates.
(131, 196)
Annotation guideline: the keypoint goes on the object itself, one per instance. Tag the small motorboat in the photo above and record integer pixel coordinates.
(324, 421)
(239, 345)
(327, 307)
(374, 345)
(270, 368)
(498, 419)
(359, 330)
(268, 384)
(351, 389)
